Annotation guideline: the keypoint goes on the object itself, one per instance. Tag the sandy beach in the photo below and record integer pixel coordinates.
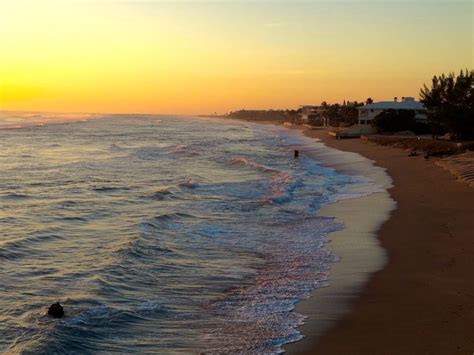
(422, 300)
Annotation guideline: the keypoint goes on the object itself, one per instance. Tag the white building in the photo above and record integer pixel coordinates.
(368, 112)
(309, 111)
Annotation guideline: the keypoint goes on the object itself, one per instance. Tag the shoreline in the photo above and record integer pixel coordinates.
(422, 298)
(356, 244)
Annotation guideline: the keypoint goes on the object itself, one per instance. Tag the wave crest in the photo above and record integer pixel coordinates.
(282, 184)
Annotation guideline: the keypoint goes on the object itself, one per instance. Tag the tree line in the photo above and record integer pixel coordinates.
(266, 115)
(449, 104)
(337, 114)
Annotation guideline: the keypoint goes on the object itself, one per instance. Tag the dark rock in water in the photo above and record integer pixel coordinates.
(56, 310)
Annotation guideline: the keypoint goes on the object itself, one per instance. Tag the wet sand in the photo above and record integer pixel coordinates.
(422, 300)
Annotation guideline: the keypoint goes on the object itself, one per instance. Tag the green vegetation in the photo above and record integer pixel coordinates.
(391, 121)
(450, 104)
(349, 113)
(334, 114)
(337, 115)
(394, 121)
(316, 120)
(267, 115)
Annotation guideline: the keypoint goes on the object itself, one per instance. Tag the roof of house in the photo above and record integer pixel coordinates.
(395, 105)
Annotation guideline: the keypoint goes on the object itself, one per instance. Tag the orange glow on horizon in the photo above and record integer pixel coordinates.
(193, 58)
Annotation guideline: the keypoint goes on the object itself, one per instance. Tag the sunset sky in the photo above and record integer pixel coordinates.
(191, 57)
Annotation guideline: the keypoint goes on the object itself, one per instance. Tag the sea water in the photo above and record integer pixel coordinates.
(159, 234)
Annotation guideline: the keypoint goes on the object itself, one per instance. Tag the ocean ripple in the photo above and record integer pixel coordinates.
(155, 246)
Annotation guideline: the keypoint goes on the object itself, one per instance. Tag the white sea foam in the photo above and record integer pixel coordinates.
(163, 225)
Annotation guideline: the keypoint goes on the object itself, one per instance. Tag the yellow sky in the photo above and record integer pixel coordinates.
(198, 57)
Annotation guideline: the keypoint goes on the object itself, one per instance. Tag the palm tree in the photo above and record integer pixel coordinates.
(449, 104)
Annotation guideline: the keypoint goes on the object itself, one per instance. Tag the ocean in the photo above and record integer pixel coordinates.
(160, 234)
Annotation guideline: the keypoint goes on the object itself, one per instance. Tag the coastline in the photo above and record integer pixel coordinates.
(356, 244)
(422, 298)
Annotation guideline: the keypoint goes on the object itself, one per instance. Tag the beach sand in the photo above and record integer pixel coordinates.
(422, 300)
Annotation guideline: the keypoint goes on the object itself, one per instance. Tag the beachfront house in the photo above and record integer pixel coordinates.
(368, 112)
(310, 112)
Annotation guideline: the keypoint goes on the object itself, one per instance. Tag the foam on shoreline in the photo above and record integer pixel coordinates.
(356, 244)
